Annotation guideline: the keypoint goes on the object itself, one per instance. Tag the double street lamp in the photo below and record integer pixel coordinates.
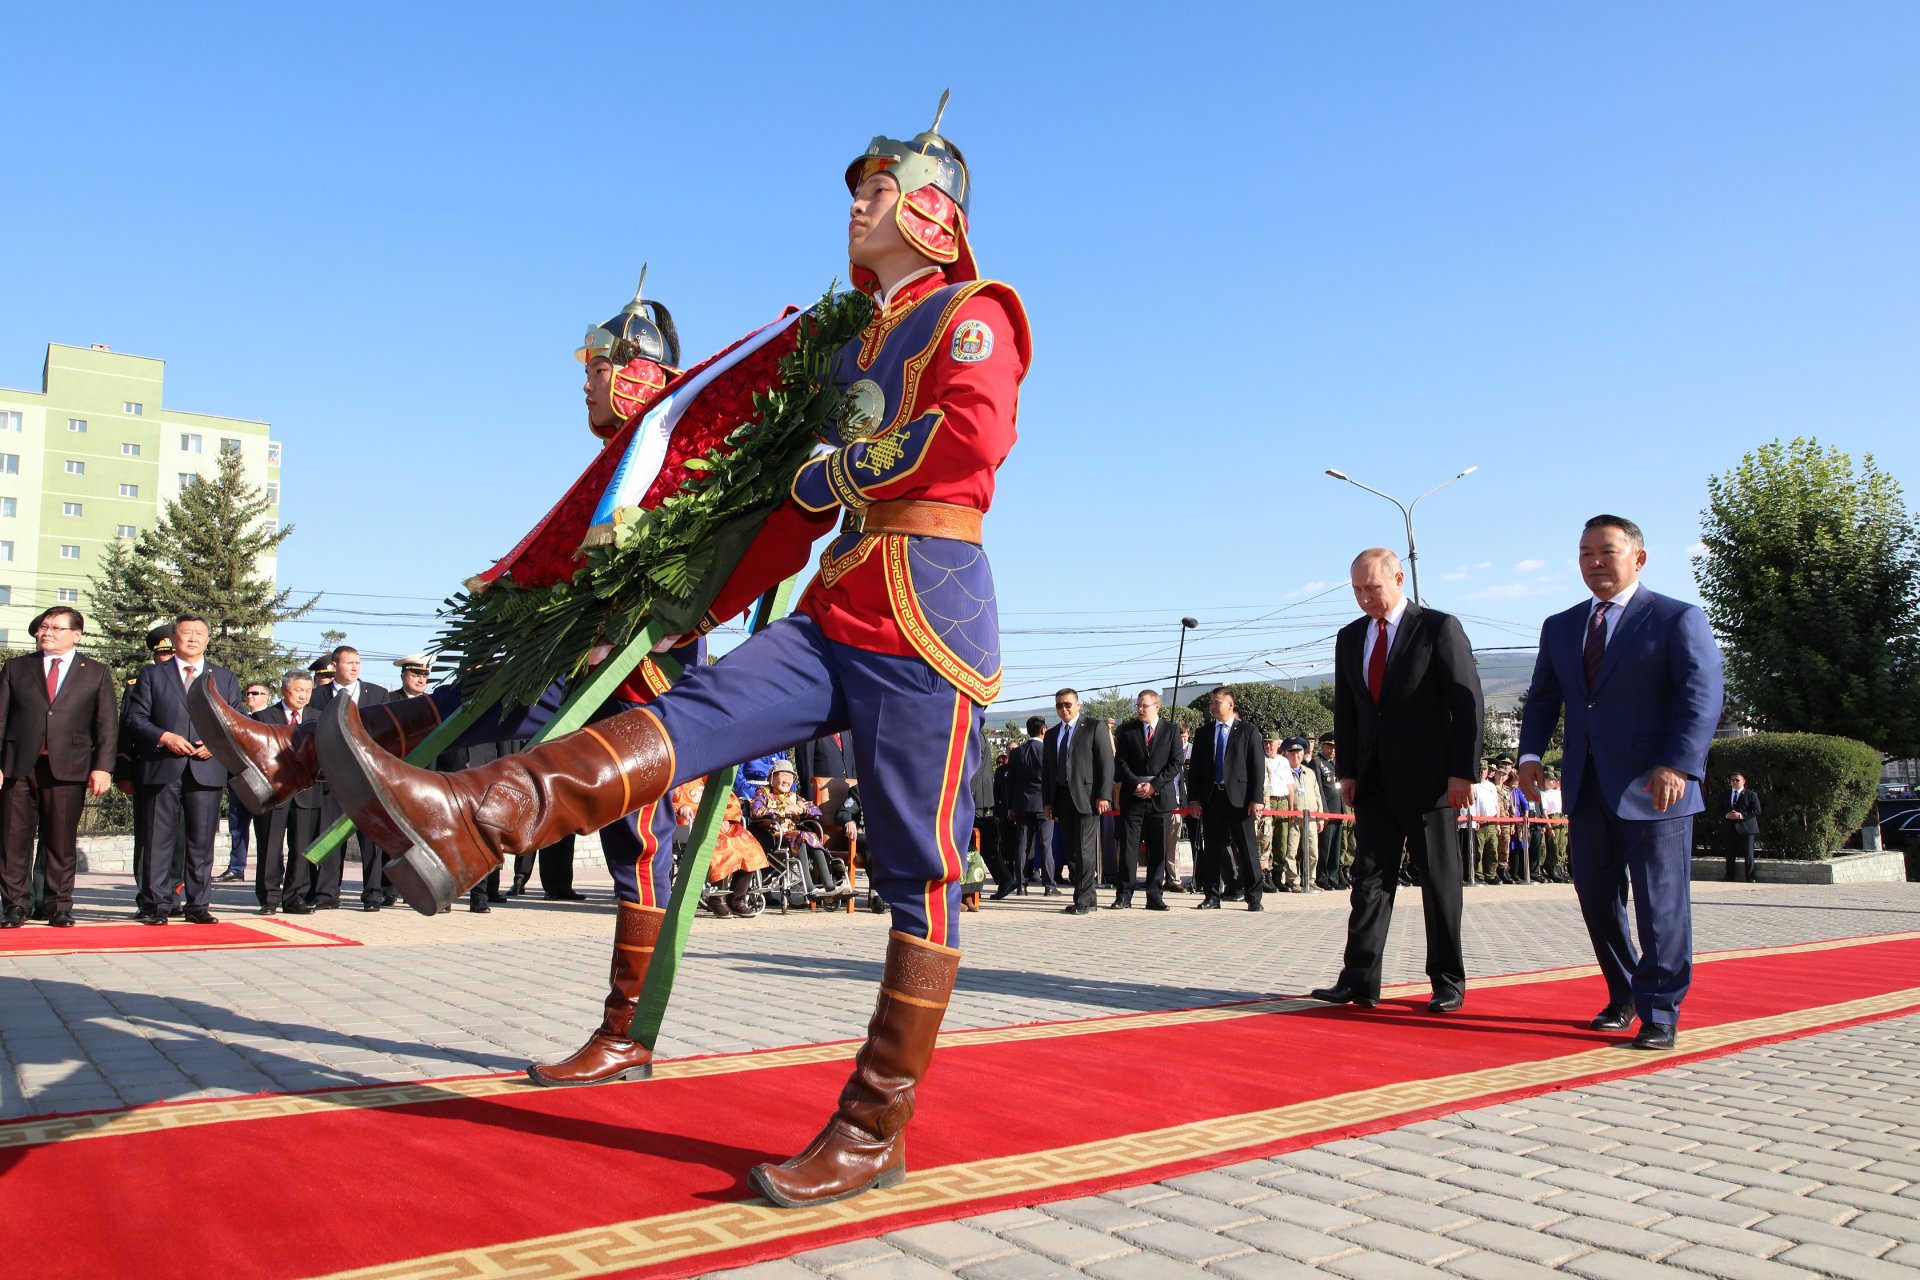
(1406, 512)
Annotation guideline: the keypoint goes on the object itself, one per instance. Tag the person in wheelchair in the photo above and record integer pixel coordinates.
(738, 859)
(790, 828)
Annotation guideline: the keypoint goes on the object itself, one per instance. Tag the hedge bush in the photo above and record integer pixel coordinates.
(1815, 790)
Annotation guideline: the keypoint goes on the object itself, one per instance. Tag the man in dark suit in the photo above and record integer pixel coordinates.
(1742, 820)
(1146, 760)
(282, 876)
(1227, 778)
(58, 728)
(1639, 677)
(375, 893)
(1407, 712)
(1027, 801)
(1077, 778)
(175, 776)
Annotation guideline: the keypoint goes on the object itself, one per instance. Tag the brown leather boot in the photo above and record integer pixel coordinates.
(737, 890)
(610, 1053)
(270, 763)
(862, 1146)
(463, 825)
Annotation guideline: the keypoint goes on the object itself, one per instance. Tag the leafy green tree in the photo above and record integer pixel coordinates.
(1811, 579)
(202, 556)
(1277, 711)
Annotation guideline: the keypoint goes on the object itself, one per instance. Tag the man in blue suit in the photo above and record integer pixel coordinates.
(177, 780)
(1639, 678)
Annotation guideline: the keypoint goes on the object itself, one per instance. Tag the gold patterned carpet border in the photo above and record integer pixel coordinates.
(38, 1130)
(676, 1237)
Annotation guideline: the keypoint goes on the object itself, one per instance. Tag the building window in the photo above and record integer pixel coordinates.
(77, 424)
(130, 450)
(75, 467)
(9, 464)
(273, 527)
(9, 420)
(125, 531)
(6, 595)
(229, 447)
(133, 408)
(9, 507)
(67, 595)
(273, 493)
(71, 509)
(188, 480)
(273, 448)
(129, 490)
(189, 444)
(6, 550)
(69, 551)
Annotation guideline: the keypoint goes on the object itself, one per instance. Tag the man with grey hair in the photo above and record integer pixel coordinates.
(1407, 713)
(283, 879)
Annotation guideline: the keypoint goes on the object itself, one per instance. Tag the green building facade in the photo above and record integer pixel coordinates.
(93, 456)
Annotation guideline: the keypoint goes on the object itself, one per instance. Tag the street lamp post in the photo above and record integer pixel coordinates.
(1406, 512)
(1186, 625)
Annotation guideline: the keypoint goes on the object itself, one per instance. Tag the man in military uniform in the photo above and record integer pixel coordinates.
(1334, 858)
(897, 639)
(628, 361)
(1299, 849)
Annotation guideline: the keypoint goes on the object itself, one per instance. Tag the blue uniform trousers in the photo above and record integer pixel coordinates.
(916, 744)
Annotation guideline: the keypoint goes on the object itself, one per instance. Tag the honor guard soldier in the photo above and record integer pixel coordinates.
(896, 638)
(628, 360)
(1333, 866)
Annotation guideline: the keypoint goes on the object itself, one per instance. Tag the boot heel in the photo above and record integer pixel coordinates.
(891, 1178)
(422, 881)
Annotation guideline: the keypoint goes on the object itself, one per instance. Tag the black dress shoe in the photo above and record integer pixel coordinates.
(227, 877)
(199, 915)
(328, 904)
(479, 906)
(267, 911)
(61, 919)
(369, 906)
(150, 917)
(1051, 891)
(1656, 1035)
(1615, 1017)
(1120, 904)
(298, 909)
(1076, 910)
(1156, 906)
(568, 896)
(1255, 906)
(1208, 903)
(15, 918)
(1445, 1004)
(1344, 995)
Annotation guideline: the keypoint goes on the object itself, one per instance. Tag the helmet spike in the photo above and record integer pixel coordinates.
(640, 288)
(940, 111)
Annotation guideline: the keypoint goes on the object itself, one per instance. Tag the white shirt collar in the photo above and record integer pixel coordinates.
(1619, 601)
(1397, 612)
(885, 299)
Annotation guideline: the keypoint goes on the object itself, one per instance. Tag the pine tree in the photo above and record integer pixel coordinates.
(203, 556)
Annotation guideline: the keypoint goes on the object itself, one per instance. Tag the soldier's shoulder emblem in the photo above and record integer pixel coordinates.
(972, 342)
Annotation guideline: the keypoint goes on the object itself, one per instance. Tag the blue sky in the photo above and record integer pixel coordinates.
(1597, 251)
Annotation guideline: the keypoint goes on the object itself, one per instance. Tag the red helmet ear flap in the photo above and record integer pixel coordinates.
(935, 225)
(635, 385)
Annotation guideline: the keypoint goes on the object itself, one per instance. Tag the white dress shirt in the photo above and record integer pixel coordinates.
(1612, 620)
(1373, 634)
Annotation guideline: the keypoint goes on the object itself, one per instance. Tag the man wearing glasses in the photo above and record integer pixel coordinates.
(239, 821)
(58, 728)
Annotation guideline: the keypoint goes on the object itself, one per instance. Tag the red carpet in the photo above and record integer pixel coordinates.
(491, 1177)
(38, 939)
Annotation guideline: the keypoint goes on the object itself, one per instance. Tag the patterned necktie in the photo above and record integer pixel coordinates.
(53, 679)
(1149, 735)
(293, 718)
(1596, 648)
(1377, 664)
(188, 673)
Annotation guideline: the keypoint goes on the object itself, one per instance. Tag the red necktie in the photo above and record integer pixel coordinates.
(1594, 652)
(1377, 664)
(836, 743)
(293, 718)
(53, 679)
(1149, 735)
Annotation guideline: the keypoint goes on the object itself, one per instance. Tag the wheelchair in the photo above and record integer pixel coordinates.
(789, 880)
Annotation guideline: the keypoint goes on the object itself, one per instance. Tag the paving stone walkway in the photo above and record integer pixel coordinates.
(1796, 1159)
